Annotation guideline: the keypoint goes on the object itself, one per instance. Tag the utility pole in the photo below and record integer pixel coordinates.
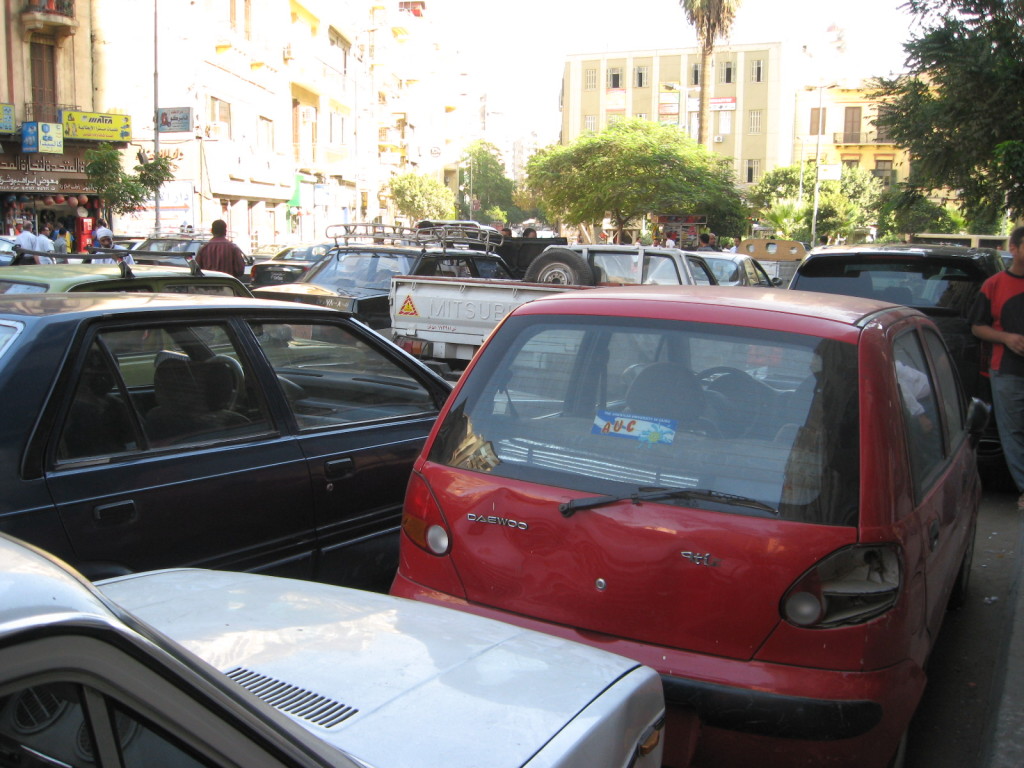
(156, 112)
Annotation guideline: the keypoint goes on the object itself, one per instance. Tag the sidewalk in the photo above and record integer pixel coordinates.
(1006, 749)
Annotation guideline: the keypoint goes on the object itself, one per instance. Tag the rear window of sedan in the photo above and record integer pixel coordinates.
(925, 283)
(609, 405)
(12, 286)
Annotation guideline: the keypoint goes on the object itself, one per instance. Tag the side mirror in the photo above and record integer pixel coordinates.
(776, 282)
(978, 412)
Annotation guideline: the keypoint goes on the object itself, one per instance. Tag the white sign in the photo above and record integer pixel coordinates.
(830, 172)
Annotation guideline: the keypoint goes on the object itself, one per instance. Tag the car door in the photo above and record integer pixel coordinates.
(362, 410)
(166, 453)
(941, 463)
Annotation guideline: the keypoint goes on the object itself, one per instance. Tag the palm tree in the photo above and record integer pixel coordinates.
(712, 20)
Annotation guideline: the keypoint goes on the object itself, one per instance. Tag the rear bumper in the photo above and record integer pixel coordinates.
(754, 697)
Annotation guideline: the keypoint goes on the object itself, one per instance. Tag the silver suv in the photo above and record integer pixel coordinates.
(620, 264)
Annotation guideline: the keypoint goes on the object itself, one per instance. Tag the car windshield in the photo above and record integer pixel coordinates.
(727, 271)
(170, 245)
(611, 405)
(634, 269)
(11, 286)
(360, 269)
(306, 252)
(923, 283)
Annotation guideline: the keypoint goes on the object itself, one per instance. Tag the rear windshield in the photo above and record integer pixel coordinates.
(11, 286)
(613, 406)
(924, 283)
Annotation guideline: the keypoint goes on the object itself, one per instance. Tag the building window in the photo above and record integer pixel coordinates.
(615, 77)
(44, 82)
(757, 71)
(884, 173)
(337, 128)
(240, 17)
(641, 77)
(220, 114)
(753, 171)
(341, 46)
(590, 79)
(754, 121)
(853, 162)
(641, 115)
(725, 123)
(852, 125)
(590, 123)
(726, 72)
(615, 118)
(695, 74)
(265, 134)
(818, 121)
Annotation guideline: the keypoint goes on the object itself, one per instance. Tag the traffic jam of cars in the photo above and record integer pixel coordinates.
(630, 514)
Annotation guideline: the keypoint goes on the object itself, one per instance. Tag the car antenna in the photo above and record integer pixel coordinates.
(193, 265)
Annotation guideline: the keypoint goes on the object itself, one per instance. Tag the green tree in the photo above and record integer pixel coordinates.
(422, 197)
(712, 19)
(780, 184)
(122, 192)
(958, 110)
(788, 219)
(632, 169)
(906, 211)
(484, 183)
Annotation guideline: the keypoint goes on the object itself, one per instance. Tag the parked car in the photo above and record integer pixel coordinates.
(597, 264)
(204, 668)
(356, 276)
(154, 431)
(738, 269)
(64, 278)
(768, 496)
(941, 281)
(289, 264)
(6, 251)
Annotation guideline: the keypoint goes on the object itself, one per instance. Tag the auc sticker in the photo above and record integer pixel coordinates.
(645, 429)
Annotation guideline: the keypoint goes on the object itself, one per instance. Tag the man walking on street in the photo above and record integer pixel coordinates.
(998, 318)
(220, 254)
(44, 243)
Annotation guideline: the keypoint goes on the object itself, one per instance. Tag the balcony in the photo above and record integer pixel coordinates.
(49, 17)
(861, 137)
(43, 112)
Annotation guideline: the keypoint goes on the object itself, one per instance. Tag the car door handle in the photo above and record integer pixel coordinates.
(933, 535)
(336, 469)
(114, 514)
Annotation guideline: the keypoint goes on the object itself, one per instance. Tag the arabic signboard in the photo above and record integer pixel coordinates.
(96, 126)
(174, 120)
(42, 137)
(722, 103)
(6, 118)
(44, 173)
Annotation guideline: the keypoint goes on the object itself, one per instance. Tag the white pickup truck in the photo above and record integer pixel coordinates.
(446, 319)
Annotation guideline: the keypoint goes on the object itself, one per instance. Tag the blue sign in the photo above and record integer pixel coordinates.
(42, 137)
(6, 118)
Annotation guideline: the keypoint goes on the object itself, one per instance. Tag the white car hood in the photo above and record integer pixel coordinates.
(415, 674)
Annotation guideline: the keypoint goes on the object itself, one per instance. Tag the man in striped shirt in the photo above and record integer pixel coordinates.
(220, 254)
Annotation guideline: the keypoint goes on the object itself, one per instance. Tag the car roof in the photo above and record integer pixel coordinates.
(666, 300)
(49, 304)
(61, 277)
(915, 249)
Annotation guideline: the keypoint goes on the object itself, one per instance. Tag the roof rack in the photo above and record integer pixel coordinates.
(388, 234)
(470, 234)
(186, 230)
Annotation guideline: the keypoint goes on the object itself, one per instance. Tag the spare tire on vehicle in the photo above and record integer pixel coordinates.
(561, 266)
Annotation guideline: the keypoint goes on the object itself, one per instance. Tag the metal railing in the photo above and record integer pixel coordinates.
(861, 137)
(42, 112)
(58, 7)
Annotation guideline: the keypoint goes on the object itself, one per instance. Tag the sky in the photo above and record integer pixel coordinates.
(517, 50)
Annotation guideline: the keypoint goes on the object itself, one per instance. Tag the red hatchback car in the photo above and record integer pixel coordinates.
(770, 497)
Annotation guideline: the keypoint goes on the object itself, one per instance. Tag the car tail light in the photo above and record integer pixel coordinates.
(415, 347)
(850, 586)
(422, 520)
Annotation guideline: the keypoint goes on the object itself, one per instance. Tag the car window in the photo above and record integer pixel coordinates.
(922, 424)
(12, 286)
(951, 395)
(949, 284)
(702, 275)
(359, 269)
(8, 331)
(607, 405)
(759, 276)
(727, 272)
(154, 386)
(492, 270)
(332, 377)
(57, 724)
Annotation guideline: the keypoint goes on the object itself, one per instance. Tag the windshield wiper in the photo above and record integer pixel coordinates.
(654, 494)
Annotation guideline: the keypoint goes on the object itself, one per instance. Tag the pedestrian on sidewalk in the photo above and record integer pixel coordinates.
(220, 254)
(998, 318)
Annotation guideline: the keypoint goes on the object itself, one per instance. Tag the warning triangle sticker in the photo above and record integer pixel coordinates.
(408, 308)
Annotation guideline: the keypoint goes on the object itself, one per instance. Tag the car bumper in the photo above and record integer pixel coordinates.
(870, 709)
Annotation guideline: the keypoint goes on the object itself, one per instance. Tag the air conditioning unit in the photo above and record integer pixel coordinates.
(719, 139)
(217, 130)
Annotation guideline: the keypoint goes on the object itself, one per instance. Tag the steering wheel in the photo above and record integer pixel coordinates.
(292, 391)
(743, 393)
(237, 376)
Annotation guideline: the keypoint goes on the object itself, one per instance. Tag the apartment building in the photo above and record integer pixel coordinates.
(836, 124)
(751, 91)
(281, 117)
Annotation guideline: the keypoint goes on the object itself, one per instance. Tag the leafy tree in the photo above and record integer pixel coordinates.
(780, 184)
(788, 219)
(121, 192)
(712, 20)
(958, 111)
(422, 197)
(632, 169)
(482, 177)
(906, 211)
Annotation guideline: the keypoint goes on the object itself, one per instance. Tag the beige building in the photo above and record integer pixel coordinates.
(751, 97)
(836, 124)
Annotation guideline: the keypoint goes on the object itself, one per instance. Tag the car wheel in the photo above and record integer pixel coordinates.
(560, 266)
(958, 596)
